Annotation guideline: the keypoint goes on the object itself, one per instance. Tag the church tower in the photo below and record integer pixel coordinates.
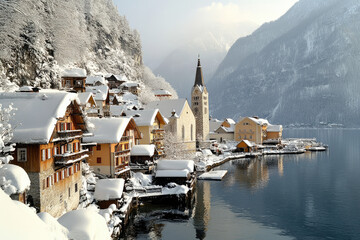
(200, 105)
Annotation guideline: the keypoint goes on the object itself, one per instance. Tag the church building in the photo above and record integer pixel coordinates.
(200, 106)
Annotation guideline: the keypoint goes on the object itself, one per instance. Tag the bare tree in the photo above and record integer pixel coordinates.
(174, 148)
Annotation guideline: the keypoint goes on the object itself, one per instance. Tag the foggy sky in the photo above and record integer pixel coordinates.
(166, 24)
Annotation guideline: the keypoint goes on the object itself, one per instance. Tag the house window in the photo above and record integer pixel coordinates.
(43, 154)
(69, 191)
(98, 160)
(62, 149)
(250, 137)
(49, 153)
(98, 147)
(61, 198)
(21, 155)
(68, 126)
(76, 187)
(68, 83)
(63, 174)
(69, 147)
(62, 126)
(57, 177)
(55, 150)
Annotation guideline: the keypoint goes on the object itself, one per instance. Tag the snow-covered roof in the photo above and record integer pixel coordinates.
(143, 150)
(247, 142)
(37, 113)
(162, 92)
(107, 130)
(14, 179)
(121, 78)
(100, 92)
(127, 96)
(259, 121)
(176, 165)
(145, 117)
(117, 110)
(172, 173)
(106, 189)
(230, 129)
(214, 124)
(84, 97)
(274, 128)
(230, 121)
(129, 84)
(85, 224)
(92, 80)
(74, 72)
(167, 106)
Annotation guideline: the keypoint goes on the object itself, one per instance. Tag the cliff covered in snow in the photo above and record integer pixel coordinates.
(40, 38)
(302, 68)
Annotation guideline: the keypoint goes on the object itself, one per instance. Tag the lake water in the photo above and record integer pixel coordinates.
(308, 196)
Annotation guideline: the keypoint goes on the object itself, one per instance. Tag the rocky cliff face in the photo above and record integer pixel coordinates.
(301, 69)
(40, 38)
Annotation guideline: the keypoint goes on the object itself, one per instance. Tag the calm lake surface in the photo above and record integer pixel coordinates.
(308, 196)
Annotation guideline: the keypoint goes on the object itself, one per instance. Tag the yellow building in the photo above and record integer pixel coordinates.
(151, 124)
(252, 129)
(114, 138)
(181, 120)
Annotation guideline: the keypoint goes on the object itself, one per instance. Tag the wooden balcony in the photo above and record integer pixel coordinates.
(122, 152)
(68, 135)
(125, 138)
(70, 158)
(157, 131)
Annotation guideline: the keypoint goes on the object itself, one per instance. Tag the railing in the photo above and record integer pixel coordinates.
(68, 158)
(157, 131)
(66, 135)
(121, 152)
(125, 138)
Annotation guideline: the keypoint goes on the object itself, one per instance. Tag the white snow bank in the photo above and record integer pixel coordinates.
(74, 72)
(176, 165)
(85, 224)
(179, 189)
(106, 189)
(143, 150)
(54, 225)
(172, 173)
(13, 179)
(213, 175)
(141, 180)
(18, 221)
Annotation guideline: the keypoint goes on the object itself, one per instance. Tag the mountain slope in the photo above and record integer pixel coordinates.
(40, 38)
(302, 68)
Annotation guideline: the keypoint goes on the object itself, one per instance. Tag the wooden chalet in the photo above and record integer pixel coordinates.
(109, 191)
(49, 127)
(74, 78)
(114, 81)
(246, 146)
(114, 138)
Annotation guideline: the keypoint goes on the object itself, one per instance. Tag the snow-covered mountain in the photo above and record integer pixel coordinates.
(40, 38)
(302, 68)
(179, 67)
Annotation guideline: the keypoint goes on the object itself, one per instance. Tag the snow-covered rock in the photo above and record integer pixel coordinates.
(13, 179)
(106, 189)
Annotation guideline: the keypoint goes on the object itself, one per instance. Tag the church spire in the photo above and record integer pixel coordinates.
(199, 80)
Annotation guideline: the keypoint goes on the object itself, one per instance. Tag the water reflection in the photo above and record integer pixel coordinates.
(202, 209)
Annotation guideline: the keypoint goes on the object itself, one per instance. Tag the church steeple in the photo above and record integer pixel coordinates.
(199, 80)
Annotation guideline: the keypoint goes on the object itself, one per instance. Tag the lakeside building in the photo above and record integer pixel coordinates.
(224, 132)
(181, 120)
(256, 130)
(162, 94)
(48, 147)
(114, 138)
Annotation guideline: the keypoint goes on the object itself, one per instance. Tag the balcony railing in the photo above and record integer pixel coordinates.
(125, 138)
(158, 131)
(66, 135)
(121, 152)
(69, 158)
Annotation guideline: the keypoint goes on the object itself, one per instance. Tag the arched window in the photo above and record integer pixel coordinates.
(192, 132)
(183, 133)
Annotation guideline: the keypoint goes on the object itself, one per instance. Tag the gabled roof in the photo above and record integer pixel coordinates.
(84, 97)
(74, 72)
(121, 78)
(107, 130)
(248, 143)
(145, 117)
(37, 113)
(100, 92)
(92, 80)
(230, 121)
(167, 106)
(225, 129)
(214, 124)
(117, 110)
